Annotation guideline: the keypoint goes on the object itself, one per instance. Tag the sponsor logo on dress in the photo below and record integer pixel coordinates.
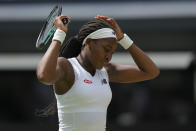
(88, 81)
(104, 81)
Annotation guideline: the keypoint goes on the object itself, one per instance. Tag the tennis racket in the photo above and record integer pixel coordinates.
(49, 28)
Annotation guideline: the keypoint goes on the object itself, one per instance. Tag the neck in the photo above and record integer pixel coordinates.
(86, 63)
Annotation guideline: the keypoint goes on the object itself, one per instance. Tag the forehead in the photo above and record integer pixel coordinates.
(110, 42)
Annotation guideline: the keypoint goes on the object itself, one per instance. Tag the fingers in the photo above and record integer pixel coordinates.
(113, 23)
(107, 19)
(59, 23)
(65, 16)
(60, 18)
(103, 17)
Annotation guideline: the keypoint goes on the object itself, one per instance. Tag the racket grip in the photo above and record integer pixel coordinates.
(65, 21)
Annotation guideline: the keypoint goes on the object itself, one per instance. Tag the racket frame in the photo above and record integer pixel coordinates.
(52, 30)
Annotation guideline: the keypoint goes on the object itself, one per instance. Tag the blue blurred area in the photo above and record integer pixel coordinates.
(165, 29)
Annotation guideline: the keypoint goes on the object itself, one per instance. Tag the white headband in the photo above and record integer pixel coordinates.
(101, 33)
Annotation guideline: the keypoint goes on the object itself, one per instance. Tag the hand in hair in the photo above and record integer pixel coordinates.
(114, 24)
(59, 24)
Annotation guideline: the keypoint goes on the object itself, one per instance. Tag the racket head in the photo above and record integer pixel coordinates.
(48, 28)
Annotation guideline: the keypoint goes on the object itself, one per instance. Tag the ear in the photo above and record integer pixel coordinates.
(88, 41)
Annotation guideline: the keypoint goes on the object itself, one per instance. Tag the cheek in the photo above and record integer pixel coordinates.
(95, 55)
(95, 50)
(98, 56)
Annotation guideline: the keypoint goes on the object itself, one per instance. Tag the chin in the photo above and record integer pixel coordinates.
(99, 67)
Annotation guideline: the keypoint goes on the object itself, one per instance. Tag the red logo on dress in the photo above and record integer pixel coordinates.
(88, 81)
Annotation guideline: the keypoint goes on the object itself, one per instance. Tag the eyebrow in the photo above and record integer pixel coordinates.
(108, 45)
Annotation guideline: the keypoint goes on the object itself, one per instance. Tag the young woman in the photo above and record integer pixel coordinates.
(82, 72)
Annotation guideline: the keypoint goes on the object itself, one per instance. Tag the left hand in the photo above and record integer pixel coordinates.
(113, 23)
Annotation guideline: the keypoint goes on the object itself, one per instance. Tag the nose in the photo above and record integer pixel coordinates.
(108, 57)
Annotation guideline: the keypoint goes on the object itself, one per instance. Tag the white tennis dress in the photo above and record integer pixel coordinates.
(84, 106)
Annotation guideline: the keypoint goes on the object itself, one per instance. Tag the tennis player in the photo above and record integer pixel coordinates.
(82, 72)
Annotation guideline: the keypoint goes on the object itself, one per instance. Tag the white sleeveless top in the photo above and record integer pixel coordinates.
(84, 106)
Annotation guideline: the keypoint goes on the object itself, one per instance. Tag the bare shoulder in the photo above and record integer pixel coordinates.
(65, 65)
(65, 82)
(62, 60)
(110, 67)
(111, 70)
(114, 69)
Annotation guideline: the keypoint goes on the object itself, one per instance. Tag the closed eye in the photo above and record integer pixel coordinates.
(106, 50)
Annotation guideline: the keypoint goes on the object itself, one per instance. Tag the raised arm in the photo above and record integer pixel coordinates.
(51, 68)
(145, 69)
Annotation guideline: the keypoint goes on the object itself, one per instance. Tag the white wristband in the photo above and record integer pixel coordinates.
(59, 35)
(125, 42)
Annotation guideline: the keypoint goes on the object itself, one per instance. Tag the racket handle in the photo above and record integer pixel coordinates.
(65, 21)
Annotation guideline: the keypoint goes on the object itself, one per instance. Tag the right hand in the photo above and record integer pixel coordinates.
(59, 24)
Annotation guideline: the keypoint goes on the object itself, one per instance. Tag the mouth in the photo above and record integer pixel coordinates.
(105, 63)
(102, 64)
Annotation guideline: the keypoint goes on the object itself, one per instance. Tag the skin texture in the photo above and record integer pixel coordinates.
(95, 55)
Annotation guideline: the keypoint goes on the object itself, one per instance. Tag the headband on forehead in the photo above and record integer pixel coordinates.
(101, 33)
